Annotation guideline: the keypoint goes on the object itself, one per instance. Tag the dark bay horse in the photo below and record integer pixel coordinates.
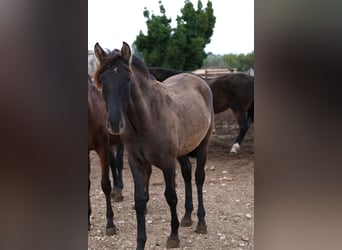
(158, 124)
(100, 141)
(234, 91)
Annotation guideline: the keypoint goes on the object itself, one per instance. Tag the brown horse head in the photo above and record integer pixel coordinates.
(113, 77)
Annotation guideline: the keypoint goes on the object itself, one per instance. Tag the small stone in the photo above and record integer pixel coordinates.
(212, 167)
(248, 215)
(149, 221)
(224, 172)
(244, 238)
(241, 244)
(222, 237)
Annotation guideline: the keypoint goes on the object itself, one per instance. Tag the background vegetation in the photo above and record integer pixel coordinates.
(183, 47)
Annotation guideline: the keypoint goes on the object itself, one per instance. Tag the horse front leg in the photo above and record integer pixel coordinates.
(106, 188)
(171, 198)
(186, 173)
(139, 174)
(241, 117)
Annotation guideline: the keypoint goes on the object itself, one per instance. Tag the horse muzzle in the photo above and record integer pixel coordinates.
(115, 129)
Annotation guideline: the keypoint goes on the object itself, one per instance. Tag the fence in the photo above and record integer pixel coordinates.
(212, 73)
(205, 73)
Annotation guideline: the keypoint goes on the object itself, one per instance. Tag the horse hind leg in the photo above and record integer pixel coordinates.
(106, 188)
(118, 183)
(186, 173)
(250, 113)
(241, 117)
(199, 178)
(116, 165)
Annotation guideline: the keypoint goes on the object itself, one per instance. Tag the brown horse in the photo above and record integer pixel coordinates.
(158, 123)
(234, 91)
(100, 141)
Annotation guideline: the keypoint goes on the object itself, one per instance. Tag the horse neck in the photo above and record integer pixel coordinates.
(143, 91)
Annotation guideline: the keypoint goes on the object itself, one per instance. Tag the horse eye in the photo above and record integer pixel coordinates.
(100, 78)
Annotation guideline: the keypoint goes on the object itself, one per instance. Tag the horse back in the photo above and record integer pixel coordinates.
(235, 91)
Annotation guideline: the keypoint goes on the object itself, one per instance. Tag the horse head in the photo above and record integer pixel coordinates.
(113, 77)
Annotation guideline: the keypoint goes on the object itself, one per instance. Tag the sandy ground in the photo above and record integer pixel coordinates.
(228, 200)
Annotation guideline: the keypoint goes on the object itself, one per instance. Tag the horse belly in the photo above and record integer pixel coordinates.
(193, 130)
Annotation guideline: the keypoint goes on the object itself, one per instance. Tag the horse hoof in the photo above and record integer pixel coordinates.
(172, 243)
(235, 149)
(116, 194)
(110, 231)
(117, 197)
(201, 229)
(186, 222)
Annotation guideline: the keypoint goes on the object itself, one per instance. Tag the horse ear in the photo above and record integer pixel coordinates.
(126, 52)
(99, 52)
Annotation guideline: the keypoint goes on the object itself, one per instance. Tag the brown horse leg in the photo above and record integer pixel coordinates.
(106, 188)
(241, 117)
(199, 177)
(140, 199)
(186, 173)
(89, 206)
(116, 165)
(171, 198)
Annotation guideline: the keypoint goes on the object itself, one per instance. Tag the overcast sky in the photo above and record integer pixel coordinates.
(112, 21)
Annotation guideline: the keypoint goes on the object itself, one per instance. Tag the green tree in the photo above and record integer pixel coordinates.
(158, 34)
(181, 47)
(241, 62)
(213, 61)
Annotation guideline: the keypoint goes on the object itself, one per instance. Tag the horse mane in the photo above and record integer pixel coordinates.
(137, 63)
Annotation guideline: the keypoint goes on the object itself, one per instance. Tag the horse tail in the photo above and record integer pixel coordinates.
(250, 113)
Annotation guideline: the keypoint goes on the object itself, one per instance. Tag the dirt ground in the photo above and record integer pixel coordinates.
(228, 200)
